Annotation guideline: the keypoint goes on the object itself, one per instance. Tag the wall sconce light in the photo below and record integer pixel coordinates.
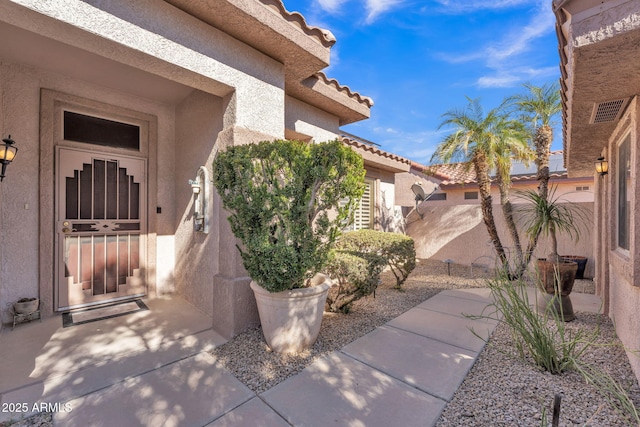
(200, 191)
(7, 154)
(602, 166)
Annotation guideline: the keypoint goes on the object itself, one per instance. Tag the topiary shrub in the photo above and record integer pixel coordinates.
(355, 275)
(397, 249)
(284, 197)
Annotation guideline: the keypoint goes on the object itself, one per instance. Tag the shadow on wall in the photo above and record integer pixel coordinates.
(458, 232)
(440, 226)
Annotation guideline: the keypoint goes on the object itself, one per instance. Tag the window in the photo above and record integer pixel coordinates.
(438, 196)
(94, 130)
(363, 215)
(471, 195)
(623, 177)
(582, 188)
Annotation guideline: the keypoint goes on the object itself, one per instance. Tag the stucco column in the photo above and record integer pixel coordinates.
(234, 307)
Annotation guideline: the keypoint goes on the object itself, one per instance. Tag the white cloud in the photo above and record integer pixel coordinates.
(331, 6)
(372, 8)
(505, 58)
(378, 7)
(466, 6)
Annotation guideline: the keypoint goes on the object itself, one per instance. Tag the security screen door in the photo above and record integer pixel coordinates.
(101, 227)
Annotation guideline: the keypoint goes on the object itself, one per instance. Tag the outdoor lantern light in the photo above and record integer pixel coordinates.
(7, 154)
(602, 166)
(200, 191)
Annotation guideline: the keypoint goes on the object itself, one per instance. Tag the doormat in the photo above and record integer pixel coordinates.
(73, 318)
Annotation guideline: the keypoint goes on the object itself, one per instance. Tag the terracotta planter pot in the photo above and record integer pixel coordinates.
(26, 307)
(291, 319)
(554, 276)
(580, 260)
(561, 276)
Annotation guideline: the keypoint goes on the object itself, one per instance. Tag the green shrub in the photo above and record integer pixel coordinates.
(284, 197)
(397, 249)
(355, 275)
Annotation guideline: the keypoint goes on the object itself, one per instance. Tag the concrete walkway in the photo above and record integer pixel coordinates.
(401, 374)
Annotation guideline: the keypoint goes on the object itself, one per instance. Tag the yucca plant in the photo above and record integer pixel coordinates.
(549, 216)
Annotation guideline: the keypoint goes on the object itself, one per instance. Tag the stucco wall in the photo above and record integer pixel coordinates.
(154, 36)
(309, 121)
(458, 232)
(620, 268)
(198, 122)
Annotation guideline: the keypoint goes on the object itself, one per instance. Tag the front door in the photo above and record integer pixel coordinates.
(100, 227)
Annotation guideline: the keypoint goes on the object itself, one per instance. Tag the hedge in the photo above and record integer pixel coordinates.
(397, 250)
(355, 275)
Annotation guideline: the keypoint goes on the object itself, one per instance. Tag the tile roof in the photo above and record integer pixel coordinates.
(373, 149)
(325, 37)
(464, 173)
(345, 89)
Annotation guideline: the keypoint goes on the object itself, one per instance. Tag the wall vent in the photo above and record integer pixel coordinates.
(607, 112)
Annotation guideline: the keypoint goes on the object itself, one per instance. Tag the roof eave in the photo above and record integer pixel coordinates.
(598, 63)
(269, 28)
(328, 95)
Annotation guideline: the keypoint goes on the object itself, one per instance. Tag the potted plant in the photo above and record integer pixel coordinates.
(26, 305)
(548, 216)
(288, 201)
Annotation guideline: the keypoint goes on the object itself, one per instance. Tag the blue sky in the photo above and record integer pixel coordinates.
(418, 59)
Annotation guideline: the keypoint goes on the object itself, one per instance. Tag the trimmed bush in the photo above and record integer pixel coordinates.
(397, 250)
(355, 276)
(284, 203)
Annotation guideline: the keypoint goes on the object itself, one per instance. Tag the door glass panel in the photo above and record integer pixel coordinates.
(134, 211)
(86, 261)
(99, 254)
(123, 196)
(94, 130)
(123, 259)
(86, 191)
(72, 196)
(112, 190)
(134, 247)
(112, 264)
(98, 189)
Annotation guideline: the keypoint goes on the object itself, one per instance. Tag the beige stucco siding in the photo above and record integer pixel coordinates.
(162, 40)
(198, 122)
(308, 121)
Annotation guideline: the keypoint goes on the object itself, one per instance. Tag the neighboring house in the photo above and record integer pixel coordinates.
(379, 208)
(118, 109)
(452, 226)
(600, 85)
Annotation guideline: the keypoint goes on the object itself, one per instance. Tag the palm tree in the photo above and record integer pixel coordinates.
(539, 107)
(478, 139)
(513, 145)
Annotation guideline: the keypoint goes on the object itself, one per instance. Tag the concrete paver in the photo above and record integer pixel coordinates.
(338, 390)
(254, 413)
(191, 392)
(432, 366)
(448, 328)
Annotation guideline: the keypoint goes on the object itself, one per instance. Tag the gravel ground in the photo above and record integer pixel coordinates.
(500, 390)
(249, 358)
